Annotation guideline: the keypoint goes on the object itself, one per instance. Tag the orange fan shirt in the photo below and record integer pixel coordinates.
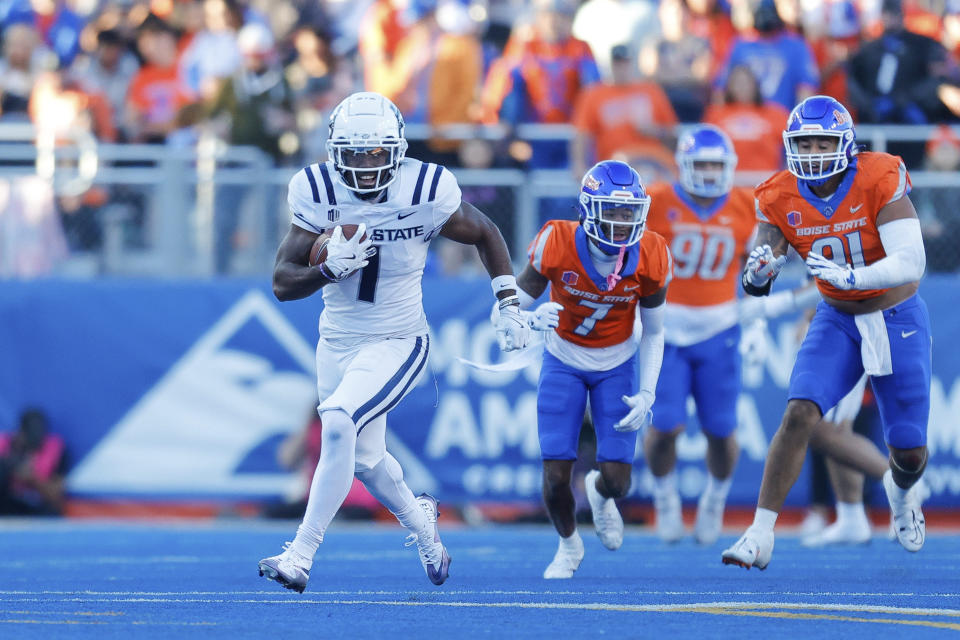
(846, 223)
(615, 115)
(708, 245)
(756, 133)
(594, 316)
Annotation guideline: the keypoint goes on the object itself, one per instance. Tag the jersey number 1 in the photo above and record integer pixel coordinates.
(369, 275)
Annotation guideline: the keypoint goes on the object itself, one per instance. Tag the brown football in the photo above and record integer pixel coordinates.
(318, 252)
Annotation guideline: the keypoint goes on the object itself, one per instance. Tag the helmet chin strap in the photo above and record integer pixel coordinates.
(614, 277)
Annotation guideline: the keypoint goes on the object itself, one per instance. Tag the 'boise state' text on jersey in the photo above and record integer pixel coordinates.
(385, 298)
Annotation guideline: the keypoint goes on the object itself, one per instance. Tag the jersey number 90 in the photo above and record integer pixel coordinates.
(707, 257)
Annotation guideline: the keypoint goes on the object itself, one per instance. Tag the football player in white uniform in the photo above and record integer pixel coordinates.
(374, 340)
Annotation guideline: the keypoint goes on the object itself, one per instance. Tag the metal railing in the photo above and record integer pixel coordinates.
(178, 190)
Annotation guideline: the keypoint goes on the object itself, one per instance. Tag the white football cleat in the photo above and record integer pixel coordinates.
(709, 522)
(908, 519)
(813, 525)
(850, 531)
(606, 517)
(923, 492)
(289, 568)
(669, 517)
(565, 562)
(433, 555)
(753, 549)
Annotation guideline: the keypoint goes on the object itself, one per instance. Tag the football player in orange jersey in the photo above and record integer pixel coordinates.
(848, 214)
(600, 270)
(708, 224)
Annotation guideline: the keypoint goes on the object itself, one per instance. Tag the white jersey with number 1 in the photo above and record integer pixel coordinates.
(385, 298)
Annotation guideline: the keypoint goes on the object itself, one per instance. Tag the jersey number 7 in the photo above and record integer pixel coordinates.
(599, 312)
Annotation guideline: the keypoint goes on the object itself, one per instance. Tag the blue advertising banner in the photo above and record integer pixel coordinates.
(185, 389)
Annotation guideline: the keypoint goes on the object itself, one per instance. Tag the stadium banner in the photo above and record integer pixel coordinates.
(184, 389)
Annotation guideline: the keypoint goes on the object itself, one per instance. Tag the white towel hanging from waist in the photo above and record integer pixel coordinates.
(874, 344)
(516, 361)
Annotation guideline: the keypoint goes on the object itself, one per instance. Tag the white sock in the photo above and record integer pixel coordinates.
(573, 542)
(665, 487)
(764, 519)
(385, 483)
(898, 492)
(850, 512)
(331, 481)
(716, 489)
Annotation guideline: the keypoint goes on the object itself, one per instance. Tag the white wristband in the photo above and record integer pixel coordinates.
(503, 283)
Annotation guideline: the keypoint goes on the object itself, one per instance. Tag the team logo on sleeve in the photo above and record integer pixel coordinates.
(333, 215)
(673, 215)
(793, 219)
(570, 277)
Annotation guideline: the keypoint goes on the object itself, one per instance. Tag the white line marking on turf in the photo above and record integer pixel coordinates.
(518, 592)
(595, 606)
(602, 606)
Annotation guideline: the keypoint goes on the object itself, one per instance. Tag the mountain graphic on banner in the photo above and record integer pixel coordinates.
(249, 378)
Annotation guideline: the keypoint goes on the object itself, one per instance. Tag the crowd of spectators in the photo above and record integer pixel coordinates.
(622, 72)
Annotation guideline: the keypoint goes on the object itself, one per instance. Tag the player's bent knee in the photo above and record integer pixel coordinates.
(617, 485)
(801, 415)
(337, 425)
(909, 461)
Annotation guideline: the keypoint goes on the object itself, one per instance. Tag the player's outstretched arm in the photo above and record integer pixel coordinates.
(293, 278)
(902, 241)
(469, 225)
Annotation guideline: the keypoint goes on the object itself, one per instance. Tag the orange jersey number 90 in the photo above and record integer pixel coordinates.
(707, 257)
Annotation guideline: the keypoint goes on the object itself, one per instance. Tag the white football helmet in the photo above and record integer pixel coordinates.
(366, 142)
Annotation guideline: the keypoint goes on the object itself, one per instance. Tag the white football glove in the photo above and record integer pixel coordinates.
(512, 330)
(545, 317)
(762, 266)
(346, 256)
(640, 412)
(830, 272)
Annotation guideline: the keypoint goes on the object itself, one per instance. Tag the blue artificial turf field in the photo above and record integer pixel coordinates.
(70, 579)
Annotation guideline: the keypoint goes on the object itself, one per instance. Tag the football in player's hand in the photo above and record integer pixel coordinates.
(318, 252)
